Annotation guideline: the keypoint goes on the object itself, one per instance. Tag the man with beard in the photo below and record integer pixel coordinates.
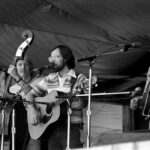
(65, 81)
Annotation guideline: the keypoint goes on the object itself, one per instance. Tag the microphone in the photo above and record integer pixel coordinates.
(136, 92)
(86, 58)
(49, 66)
(129, 45)
(133, 45)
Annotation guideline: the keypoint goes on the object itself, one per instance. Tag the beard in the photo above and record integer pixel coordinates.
(58, 68)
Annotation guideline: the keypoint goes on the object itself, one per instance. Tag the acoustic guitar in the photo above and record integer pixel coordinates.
(46, 119)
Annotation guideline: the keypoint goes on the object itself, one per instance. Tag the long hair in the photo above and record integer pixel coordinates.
(29, 61)
(67, 55)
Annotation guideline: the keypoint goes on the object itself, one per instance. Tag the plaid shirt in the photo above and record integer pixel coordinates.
(63, 84)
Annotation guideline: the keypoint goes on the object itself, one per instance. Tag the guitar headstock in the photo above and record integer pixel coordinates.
(83, 84)
(148, 74)
(93, 81)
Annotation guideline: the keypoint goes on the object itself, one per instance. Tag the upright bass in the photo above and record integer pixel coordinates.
(6, 95)
(28, 36)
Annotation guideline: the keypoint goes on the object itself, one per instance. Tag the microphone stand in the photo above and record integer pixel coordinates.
(13, 128)
(91, 62)
(69, 111)
(2, 128)
(3, 125)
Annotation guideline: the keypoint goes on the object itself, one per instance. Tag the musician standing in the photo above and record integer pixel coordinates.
(141, 101)
(137, 101)
(62, 80)
(22, 72)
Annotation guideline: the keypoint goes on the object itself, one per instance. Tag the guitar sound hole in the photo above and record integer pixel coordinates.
(46, 118)
(48, 109)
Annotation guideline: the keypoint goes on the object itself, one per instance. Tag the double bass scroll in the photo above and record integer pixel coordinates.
(28, 36)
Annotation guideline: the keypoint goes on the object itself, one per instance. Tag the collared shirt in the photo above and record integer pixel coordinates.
(63, 84)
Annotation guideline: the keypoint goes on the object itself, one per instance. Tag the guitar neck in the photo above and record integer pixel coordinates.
(58, 102)
(147, 86)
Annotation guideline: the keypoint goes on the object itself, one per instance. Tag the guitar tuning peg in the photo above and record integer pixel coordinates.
(96, 85)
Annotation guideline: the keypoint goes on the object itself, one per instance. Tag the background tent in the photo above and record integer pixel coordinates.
(89, 27)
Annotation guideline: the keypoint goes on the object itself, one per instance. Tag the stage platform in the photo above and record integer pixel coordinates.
(122, 141)
(116, 141)
(115, 138)
(141, 145)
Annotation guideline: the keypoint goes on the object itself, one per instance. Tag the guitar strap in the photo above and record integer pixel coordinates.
(73, 81)
(64, 105)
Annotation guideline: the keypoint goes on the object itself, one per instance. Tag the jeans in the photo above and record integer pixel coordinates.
(33, 145)
(55, 138)
(58, 138)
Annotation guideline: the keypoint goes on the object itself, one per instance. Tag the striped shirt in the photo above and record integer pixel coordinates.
(63, 84)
